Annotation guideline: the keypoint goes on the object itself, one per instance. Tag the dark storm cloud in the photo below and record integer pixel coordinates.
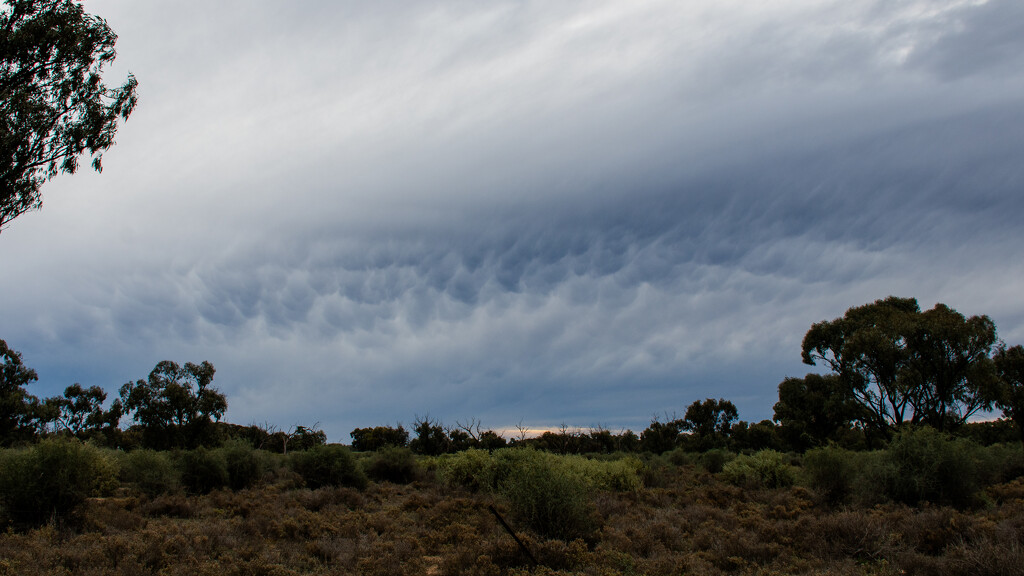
(584, 212)
(984, 38)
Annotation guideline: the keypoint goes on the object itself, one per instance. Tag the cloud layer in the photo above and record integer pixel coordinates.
(586, 213)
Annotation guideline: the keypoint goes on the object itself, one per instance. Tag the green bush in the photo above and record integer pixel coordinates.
(203, 470)
(927, 466)
(472, 469)
(328, 465)
(552, 499)
(831, 471)
(242, 463)
(767, 468)
(1001, 463)
(151, 472)
(391, 464)
(715, 459)
(50, 479)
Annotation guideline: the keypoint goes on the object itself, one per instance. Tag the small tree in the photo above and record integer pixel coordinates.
(22, 415)
(709, 422)
(81, 411)
(660, 436)
(371, 439)
(431, 438)
(813, 410)
(175, 406)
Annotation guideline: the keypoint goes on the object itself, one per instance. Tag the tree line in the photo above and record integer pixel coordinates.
(893, 366)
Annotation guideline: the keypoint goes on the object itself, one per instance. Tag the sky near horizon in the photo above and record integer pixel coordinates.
(523, 212)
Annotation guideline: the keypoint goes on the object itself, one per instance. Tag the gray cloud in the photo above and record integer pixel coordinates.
(584, 212)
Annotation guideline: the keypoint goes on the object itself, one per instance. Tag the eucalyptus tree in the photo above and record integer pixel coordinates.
(899, 364)
(54, 105)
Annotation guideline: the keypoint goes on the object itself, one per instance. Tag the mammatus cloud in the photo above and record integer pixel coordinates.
(582, 213)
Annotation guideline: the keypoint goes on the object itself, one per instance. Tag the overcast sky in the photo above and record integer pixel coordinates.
(523, 211)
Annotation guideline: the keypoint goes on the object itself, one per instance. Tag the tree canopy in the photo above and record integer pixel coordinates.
(903, 365)
(21, 413)
(53, 104)
(814, 409)
(176, 405)
(1010, 395)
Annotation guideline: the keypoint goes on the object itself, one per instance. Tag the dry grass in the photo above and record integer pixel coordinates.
(688, 522)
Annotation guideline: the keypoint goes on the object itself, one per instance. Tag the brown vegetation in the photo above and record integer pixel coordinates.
(685, 521)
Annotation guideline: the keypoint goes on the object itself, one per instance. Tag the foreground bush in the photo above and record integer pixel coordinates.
(551, 498)
(49, 480)
(328, 465)
(831, 471)
(391, 464)
(767, 468)
(203, 470)
(242, 464)
(925, 465)
(549, 493)
(151, 472)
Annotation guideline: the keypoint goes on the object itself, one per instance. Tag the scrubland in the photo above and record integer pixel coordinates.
(925, 505)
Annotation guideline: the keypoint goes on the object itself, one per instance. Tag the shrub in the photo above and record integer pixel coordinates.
(1001, 463)
(928, 466)
(617, 475)
(392, 464)
(242, 463)
(328, 465)
(49, 480)
(551, 499)
(203, 470)
(151, 472)
(715, 459)
(766, 468)
(472, 469)
(830, 471)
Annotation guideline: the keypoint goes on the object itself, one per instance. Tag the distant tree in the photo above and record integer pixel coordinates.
(763, 435)
(22, 415)
(627, 441)
(373, 439)
(176, 405)
(813, 410)
(660, 436)
(81, 413)
(1010, 398)
(709, 423)
(431, 438)
(53, 104)
(491, 440)
(305, 438)
(600, 440)
(899, 364)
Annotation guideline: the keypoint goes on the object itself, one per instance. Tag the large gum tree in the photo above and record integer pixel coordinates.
(900, 364)
(54, 106)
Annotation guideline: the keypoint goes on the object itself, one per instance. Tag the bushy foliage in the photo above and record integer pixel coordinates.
(370, 439)
(926, 465)
(548, 492)
(397, 465)
(552, 500)
(472, 469)
(328, 465)
(767, 468)
(50, 479)
(242, 464)
(831, 471)
(150, 471)
(715, 459)
(203, 470)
